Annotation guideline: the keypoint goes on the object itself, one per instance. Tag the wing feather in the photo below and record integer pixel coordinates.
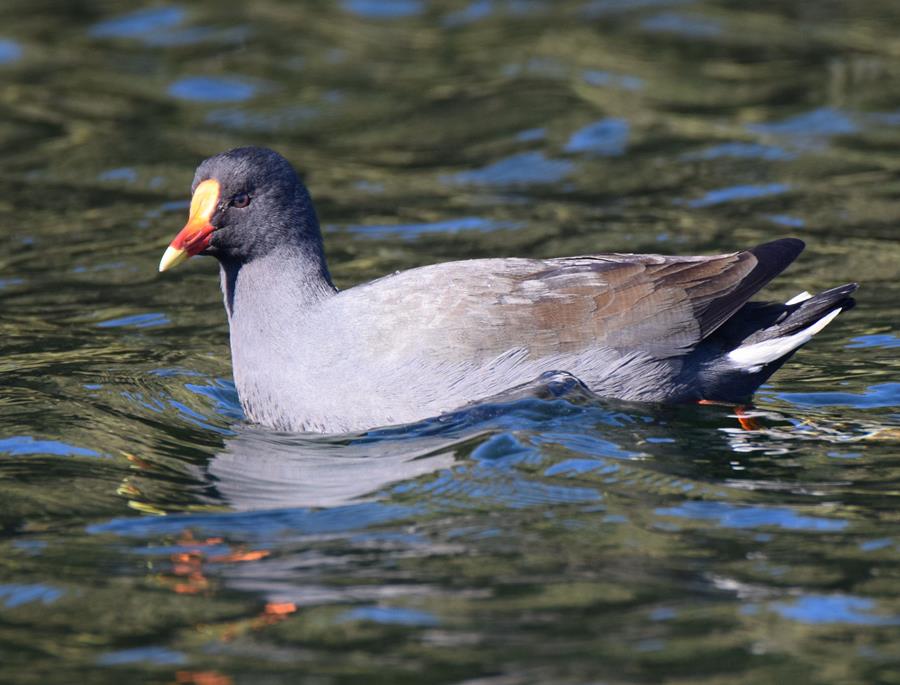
(474, 310)
(657, 304)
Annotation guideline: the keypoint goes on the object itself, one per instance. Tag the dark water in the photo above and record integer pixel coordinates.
(149, 535)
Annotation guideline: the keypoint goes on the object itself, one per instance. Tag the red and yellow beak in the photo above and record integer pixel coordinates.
(195, 235)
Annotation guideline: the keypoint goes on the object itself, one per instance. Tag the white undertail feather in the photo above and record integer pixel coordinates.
(799, 297)
(751, 358)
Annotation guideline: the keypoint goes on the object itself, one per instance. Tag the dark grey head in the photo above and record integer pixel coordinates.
(247, 203)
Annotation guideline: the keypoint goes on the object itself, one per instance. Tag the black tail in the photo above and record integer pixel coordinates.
(771, 321)
(760, 337)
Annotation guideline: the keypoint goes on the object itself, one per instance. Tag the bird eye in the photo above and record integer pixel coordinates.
(240, 200)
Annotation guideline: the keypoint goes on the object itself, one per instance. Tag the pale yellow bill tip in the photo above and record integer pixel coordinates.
(172, 257)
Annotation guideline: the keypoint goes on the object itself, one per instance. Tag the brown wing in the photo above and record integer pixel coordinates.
(471, 311)
(661, 305)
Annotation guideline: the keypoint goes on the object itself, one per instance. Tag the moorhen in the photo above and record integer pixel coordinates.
(428, 340)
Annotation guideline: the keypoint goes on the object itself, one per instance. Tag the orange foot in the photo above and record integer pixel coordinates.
(747, 422)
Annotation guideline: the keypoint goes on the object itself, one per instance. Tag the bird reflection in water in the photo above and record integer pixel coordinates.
(202, 678)
(299, 478)
(188, 577)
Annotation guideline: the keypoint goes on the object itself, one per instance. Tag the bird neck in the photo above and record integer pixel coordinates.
(279, 284)
(270, 301)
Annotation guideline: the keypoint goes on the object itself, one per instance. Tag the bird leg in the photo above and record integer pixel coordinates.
(747, 422)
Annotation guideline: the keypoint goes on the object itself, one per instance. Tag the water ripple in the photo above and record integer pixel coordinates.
(605, 138)
(10, 51)
(738, 193)
(878, 395)
(525, 168)
(735, 516)
(139, 23)
(383, 9)
(824, 609)
(212, 89)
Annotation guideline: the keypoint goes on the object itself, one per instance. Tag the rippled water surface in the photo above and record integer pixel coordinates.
(150, 535)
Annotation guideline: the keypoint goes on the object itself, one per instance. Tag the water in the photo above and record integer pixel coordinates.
(150, 535)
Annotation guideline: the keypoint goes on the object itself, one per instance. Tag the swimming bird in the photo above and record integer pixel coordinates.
(422, 342)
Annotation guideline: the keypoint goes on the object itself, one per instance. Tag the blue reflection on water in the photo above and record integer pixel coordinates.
(844, 455)
(735, 516)
(683, 24)
(584, 443)
(596, 77)
(532, 134)
(577, 467)
(212, 89)
(25, 444)
(505, 450)
(522, 169)
(834, 609)
(15, 595)
(825, 121)
(742, 192)
(265, 121)
(449, 226)
(884, 340)
(607, 137)
(139, 23)
(875, 545)
(223, 394)
(153, 655)
(391, 615)
(884, 118)
(125, 173)
(543, 66)
(879, 395)
(160, 27)
(105, 266)
(470, 487)
(150, 403)
(369, 186)
(30, 546)
(663, 614)
(475, 11)
(786, 220)
(738, 150)
(196, 418)
(809, 131)
(263, 525)
(383, 9)
(148, 320)
(10, 51)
